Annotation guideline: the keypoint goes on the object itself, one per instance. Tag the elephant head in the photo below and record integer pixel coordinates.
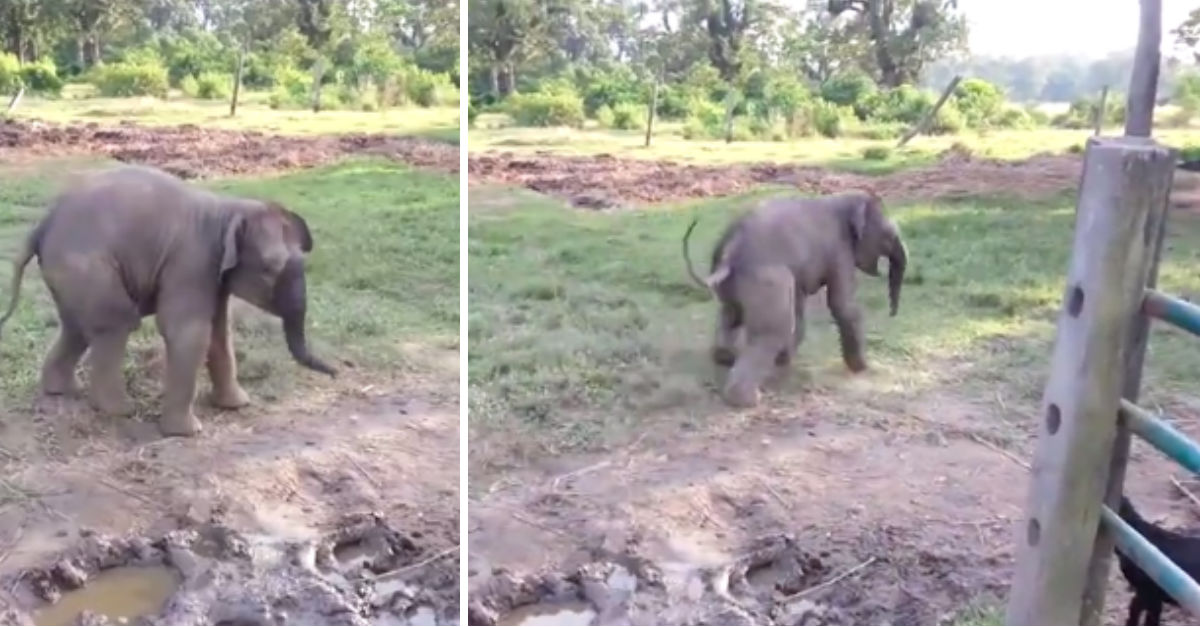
(875, 236)
(263, 264)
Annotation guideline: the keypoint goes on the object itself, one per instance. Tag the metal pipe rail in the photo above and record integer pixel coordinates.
(1173, 310)
(1159, 567)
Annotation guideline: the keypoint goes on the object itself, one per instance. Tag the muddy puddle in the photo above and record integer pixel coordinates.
(757, 587)
(124, 592)
(566, 613)
(362, 572)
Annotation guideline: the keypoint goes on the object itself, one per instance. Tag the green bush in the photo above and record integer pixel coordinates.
(1190, 152)
(848, 88)
(472, 113)
(980, 102)
(213, 86)
(604, 116)
(1014, 118)
(905, 104)
(428, 89)
(10, 73)
(673, 101)
(883, 130)
(829, 119)
(1037, 117)
(540, 109)
(705, 120)
(1187, 92)
(293, 88)
(610, 89)
(189, 86)
(948, 120)
(123, 80)
(628, 116)
(877, 153)
(41, 77)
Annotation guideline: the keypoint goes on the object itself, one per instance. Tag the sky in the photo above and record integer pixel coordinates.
(1041, 27)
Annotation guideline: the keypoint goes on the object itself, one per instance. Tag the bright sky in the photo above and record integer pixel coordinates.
(1040, 27)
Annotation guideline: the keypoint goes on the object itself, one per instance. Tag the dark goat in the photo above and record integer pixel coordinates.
(1148, 598)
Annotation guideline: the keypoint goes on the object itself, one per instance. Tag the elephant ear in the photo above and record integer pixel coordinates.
(866, 228)
(296, 227)
(230, 241)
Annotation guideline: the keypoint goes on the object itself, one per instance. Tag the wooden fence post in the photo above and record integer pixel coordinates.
(1098, 117)
(650, 114)
(1122, 197)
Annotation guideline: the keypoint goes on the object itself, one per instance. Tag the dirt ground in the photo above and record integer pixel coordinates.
(607, 182)
(244, 518)
(807, 511)
(189, 151)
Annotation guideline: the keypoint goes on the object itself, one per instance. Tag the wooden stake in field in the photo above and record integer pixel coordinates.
(650, 113)
(929, 116)
(16, 99)
(237, 78)
(1099, 113)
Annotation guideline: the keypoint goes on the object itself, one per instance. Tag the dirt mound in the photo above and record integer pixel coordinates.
(193, 152)
(604, 181)
(362, 572)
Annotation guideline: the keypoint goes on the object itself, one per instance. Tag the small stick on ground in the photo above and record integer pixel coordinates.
(363, 471)
(822, 586)
(127, 492)
(521, 517)
(391, 574)
(1186, 492)
(1020, 462)
(774, 493)
(581, 471)
(12, 544)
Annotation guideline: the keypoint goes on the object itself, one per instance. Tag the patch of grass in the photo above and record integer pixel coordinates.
(981, 614)
(495, 132)
(383, 274)
(253, 114)
(585, 329)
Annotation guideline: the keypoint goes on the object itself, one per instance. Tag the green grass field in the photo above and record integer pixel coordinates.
(382, 279)
(584, 328)
(253, 114)
(492, 132)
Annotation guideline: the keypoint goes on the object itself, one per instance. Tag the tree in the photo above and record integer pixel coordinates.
(1188, 33)
(499, 30)
(905, 35)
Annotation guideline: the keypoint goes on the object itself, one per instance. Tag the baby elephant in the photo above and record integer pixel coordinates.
(787, 248)
(133, 241)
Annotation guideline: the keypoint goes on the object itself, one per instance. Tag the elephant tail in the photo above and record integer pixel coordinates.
(688, 258)
(32, 244)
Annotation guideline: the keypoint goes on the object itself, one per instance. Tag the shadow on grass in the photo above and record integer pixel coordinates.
(584, 328)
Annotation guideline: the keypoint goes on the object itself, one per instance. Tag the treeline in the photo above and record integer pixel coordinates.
(319, 53)
(744, 69)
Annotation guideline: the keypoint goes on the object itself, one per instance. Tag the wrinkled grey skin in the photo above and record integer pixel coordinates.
(768, 260)
(132, 242)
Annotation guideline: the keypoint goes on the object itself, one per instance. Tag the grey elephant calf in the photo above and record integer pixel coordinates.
(131, 242)
(769, 259)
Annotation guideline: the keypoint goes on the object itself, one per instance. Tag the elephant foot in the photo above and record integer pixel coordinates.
(856, 364)
(114, 405)
(232, 398)
(740, 396)
(723, 356)
(180, 424)
(784, 358)
(61, 386)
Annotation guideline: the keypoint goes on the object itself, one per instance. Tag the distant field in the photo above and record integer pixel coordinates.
(253, 114)
(493, 132)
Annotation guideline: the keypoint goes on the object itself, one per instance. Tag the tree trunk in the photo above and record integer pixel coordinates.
(731, 101)
(318, 74)
(94, 44)
(1139, 108)
(237, 79)
(494, 77)
(1098, 118)
(80, 58)
(650, 114)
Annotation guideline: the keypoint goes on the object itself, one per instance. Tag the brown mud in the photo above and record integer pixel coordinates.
(605, 182)
(189, 151)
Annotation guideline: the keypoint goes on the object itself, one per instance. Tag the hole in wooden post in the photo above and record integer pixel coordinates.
(1075, 301)
(1053, 418)
(1034, 533)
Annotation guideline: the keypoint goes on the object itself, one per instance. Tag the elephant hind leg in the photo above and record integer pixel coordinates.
(107, 389)
(770, 324)
(729, 320)
(58, 369)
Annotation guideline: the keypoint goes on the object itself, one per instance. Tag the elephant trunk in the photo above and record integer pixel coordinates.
(897, 261)
(290, 304)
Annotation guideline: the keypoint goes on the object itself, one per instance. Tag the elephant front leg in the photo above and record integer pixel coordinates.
(729, 318)
(785, 356)
(222, 362)
(848, 317)
(187, 344)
